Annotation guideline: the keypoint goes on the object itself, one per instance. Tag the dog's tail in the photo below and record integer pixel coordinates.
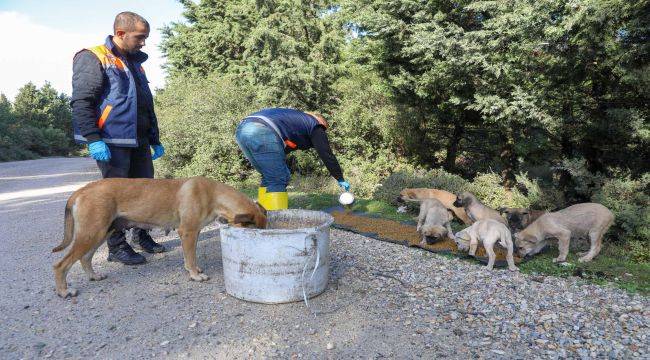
(68, 226)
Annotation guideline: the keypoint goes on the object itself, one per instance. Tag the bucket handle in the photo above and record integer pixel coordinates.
(315, 251)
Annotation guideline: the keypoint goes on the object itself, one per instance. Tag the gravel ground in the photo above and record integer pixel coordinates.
(383, 300)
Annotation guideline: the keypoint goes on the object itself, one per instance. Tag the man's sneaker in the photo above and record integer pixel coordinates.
(125, 254)
(144, 241)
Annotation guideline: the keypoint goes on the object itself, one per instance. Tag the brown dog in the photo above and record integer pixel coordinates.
(434, 222)
(581, 220)
(107, 205)
(445, 197)
(519, 218)
(476, 210)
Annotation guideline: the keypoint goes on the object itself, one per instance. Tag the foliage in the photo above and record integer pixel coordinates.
(37, 123)
(485, 186)
(629, 200)
(286, 49)
(197, 119)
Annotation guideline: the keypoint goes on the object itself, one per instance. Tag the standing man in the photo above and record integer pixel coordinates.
(112, 112)
(268, 135)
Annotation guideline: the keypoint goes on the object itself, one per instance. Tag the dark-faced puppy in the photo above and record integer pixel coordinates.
(519, 218)
(434, 222)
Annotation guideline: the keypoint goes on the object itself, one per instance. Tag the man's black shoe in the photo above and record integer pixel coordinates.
(144, 241)
(125, 254)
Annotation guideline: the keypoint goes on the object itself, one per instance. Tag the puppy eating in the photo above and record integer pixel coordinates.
(445, 197)
(519, 218)
(434, 222)
(588, 219)
(487, 232)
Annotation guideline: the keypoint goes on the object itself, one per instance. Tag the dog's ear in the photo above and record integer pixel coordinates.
(243, 218)
(262, 209)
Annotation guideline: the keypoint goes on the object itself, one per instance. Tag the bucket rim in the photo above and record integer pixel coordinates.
(326, 224)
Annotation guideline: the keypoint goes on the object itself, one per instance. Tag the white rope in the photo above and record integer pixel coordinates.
(315, 251)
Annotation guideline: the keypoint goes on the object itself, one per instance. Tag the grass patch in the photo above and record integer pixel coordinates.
(612, 265)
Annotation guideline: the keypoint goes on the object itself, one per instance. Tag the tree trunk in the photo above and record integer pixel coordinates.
(508, 159)
(452, 146)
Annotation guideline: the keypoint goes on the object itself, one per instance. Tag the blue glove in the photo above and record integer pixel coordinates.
(158, 151)
(99, 151)
(345, 185)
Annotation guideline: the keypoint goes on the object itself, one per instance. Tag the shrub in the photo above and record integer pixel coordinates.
(629, 200)
(197, 119)
(639, 251)
(487, 188)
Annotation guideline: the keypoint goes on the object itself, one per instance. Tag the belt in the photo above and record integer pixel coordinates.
(268, 122)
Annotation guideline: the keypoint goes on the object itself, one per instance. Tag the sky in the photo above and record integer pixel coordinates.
(40, 38)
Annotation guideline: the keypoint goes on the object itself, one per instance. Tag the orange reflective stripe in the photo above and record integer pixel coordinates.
(102, 119)
(119, 64)
(106, 57)
(290, 144)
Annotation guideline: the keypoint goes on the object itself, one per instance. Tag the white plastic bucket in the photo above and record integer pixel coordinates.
(278, 265)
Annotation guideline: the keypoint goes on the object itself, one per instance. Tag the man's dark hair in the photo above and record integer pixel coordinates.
(127, 21)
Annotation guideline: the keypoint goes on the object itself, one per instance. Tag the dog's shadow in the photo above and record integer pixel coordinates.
(162, 265)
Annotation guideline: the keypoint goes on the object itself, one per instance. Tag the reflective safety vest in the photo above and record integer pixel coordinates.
(294, 127)
(117, 109)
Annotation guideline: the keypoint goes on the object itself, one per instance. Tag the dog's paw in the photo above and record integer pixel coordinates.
(69, 292)
(514, 268)
(558, 260)
(489, 268)
(199, 277)
(584, 259)
(97, 277)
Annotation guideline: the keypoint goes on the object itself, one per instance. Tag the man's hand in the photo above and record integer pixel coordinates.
(345, 185)
(99, 151)
(158, 151)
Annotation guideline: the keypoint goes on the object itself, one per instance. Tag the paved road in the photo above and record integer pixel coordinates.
(383, 300)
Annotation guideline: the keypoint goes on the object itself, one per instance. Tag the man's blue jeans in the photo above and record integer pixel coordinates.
(265, 151)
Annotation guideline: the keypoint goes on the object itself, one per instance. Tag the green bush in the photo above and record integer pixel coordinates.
(629, 200)
(197, 120)
(639, 251)
(487, 188)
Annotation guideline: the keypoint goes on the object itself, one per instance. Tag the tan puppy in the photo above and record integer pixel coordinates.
(434, 222)
(103, 206)
(476, 210)
(588, 219)
(445, 197)
(519, 218)
(487, 232)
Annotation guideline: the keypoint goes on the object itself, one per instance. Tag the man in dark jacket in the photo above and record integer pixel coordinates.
(267, 135)
(112, 112)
